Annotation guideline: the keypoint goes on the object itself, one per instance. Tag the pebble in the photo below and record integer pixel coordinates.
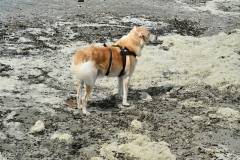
(24, 40)
(136, 124)
(165, 48)
(229, 113)
(197, 118)
(3, 136)
(38, 127)
(145, 96)
(64, 137)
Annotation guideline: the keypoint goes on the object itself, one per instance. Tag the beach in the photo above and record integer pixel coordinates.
(184, 93)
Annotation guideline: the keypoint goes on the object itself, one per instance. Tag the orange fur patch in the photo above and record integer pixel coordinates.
(101, 57)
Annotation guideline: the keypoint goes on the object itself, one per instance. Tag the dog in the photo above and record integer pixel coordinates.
(90, 63)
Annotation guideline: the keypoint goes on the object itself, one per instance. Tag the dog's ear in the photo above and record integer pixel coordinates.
(138, 31)
(141, 34)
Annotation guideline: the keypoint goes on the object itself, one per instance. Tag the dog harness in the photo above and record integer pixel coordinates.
(124, 52)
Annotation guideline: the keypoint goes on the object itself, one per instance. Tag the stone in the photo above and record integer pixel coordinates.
(145, 96)
(136, 124)
(38, 127)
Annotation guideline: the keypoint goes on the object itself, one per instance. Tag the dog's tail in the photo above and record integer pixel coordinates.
(85, 72)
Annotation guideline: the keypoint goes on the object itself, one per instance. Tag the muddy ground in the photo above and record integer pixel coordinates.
(35, 82)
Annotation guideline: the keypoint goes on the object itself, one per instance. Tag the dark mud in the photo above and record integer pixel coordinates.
(165, 117)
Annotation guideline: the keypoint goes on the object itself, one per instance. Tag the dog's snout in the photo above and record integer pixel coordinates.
(153, 38)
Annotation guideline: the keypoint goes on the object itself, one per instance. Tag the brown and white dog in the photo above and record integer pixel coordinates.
(93, 62)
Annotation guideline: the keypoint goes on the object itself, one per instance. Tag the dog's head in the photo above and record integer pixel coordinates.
(144, 34)
(136, 39)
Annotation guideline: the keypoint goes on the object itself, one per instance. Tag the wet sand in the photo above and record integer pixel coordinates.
(184, 94)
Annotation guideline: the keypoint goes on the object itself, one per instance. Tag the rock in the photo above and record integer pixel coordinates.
(12, 48)
(136, 124)
(96, 158)
(77, 112)
(145, 96)
(115, 91)
(64, 137)
(41, 38)
(165, 48)
(228, 113)
(120, 106)
(197, 118)
(80, 0)
(1, 157)
(38, 127)
(176, 89)
(24, 40)
(164, 87)
(11, 115)
(34, 31)
(3, 136)
(136, 145)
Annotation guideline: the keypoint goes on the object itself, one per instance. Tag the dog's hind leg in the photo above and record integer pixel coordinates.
(87, 72)
(79, 92)
(84, 99)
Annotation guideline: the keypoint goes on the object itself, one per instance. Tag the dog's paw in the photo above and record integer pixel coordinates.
(86, 113)
(125, 104)
(79, 106)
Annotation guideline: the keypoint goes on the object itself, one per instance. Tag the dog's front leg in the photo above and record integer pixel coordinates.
(120, 87)
(126, 81)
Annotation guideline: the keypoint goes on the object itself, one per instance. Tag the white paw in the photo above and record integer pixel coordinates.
(125, 104)
(86, 113)
(80, 106)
